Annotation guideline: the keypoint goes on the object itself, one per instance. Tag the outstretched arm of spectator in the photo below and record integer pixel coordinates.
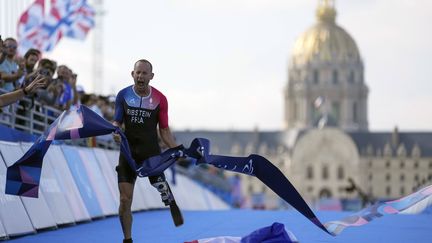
(9, 98)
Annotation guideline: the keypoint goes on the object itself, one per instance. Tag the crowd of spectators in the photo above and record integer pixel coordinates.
(61, 90)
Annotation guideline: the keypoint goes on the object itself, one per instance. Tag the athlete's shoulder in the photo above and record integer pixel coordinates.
(124, 91)
(128, 88)
(157, 93)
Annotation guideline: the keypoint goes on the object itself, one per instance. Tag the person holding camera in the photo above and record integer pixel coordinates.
(31, 57)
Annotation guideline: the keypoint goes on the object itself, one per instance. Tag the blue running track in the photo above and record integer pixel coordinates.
(156, 226)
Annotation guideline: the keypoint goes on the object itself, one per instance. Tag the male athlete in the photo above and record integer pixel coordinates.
(141, 108)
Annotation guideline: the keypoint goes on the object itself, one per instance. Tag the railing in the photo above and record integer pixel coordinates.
(32, 117)
(29, 115)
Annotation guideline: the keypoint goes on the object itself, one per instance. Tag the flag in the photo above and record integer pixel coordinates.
(76, 17)
(71, 18)
(23, 176)
(28, 25)
(274, 233)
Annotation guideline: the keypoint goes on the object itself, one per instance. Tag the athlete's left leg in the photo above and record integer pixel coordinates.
(160, 183)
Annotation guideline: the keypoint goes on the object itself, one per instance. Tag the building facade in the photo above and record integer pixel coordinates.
(326, 146)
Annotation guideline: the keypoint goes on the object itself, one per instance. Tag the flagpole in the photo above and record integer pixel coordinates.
(98, 38)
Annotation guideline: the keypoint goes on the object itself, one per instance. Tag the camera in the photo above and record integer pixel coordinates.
(45, 72)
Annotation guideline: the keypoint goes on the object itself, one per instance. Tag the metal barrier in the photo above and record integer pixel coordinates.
(28, 115)
(31, 116)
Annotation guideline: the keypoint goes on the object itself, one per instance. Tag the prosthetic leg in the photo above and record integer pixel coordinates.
(160, 183)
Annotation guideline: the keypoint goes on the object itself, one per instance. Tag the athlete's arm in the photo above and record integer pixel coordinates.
(116, 136)
(167, 137)
(164, 130)
(118, 116)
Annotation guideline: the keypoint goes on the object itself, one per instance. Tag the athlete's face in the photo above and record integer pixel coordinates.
(142, 74)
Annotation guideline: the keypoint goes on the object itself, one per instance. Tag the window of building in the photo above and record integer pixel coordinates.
(370, 177)
(370, 163)
(416, 177)
(402, 191)
(416, 164)
(309, 172)
(402, 164)
(388, 191)
(430, 177)
(336, 110)
(316, 76)
(250, 189)
(325, 172)
(402, 177)
(315, 113)
(388, 177)
(340, 173)
(355, 115)
(310, 189)
(430, 165)
(387, 165)
(335, 77)
(351, 78)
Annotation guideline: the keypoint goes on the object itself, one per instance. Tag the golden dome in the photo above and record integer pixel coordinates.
(325, 41)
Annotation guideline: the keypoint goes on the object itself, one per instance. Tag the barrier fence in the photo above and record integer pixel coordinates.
(78, 184)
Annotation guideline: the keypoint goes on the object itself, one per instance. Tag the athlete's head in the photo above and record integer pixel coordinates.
(142, 74)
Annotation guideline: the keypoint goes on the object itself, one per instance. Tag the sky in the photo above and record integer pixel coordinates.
(223, 64)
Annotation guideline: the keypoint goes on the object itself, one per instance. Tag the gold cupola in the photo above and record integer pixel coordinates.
(325, 41)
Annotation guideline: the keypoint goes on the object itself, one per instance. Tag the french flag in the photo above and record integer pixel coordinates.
(276, 233)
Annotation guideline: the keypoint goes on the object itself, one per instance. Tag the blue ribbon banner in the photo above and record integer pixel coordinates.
(23, 176)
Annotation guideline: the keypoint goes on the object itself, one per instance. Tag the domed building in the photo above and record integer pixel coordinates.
(326, 150)
(326, 80)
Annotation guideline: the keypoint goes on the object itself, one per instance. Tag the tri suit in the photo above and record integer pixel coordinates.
(140, 116)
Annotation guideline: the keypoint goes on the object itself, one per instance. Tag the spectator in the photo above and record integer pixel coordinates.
(2, 54)
(31, 57)
(9, 98)
(10, 71)
(66, 78)
(92, 103)
(52, 91)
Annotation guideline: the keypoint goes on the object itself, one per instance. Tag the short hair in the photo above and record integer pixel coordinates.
(32, 51)
(9, 39)
(47, 63)
(144, 61)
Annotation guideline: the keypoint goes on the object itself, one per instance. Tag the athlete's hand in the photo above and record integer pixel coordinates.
(116, 137)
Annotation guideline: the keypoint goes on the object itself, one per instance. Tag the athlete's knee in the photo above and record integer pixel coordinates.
(161, 186)
(159, 182)
(125, 201)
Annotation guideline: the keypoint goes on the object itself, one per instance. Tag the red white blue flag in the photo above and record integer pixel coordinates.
(71, 18)
(23, 177)
(29, 24)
